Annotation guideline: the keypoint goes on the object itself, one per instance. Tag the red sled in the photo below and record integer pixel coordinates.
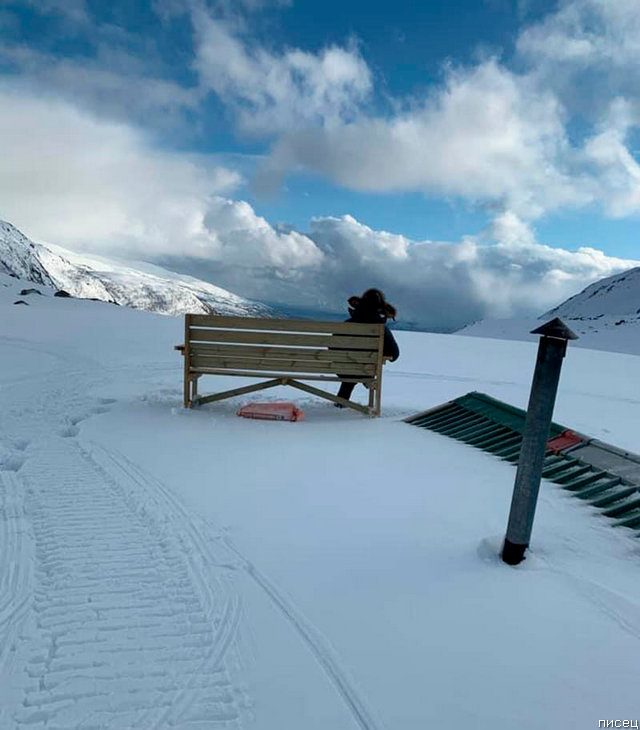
(272, 411)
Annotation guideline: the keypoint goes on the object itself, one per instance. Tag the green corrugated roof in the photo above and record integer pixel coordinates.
(500, 412)
(486, 423)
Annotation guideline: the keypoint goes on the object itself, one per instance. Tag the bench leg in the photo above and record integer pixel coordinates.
(328, 396)
(191, 392)
(187, 391)
(372, 396)
(378, 397)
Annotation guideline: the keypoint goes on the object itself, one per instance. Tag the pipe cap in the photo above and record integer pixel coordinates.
(555, 328)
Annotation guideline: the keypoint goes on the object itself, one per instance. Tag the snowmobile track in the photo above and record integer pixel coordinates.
(132, 627)
(203, 560)
(16, 565)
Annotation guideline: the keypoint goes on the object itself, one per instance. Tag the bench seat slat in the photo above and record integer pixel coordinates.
(261, 374)
(276, 338)
(284, 325)
(285, 366)
(280, 353)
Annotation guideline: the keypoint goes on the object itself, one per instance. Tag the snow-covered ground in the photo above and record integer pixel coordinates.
(190, 569)
(606, 334)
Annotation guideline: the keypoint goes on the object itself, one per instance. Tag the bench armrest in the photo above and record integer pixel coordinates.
(180, 348)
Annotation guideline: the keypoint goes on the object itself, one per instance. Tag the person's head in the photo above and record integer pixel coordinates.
(372, 301)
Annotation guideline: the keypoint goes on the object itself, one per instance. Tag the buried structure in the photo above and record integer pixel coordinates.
(601, 474)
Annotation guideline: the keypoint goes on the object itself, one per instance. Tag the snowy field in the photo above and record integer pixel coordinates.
(169, 569)
(607, 333)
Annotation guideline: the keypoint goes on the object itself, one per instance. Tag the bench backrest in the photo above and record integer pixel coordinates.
(257, 347)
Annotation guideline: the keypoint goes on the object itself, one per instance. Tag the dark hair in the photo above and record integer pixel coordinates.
(373, 300)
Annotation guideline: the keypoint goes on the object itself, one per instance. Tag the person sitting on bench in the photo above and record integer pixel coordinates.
(371, 308)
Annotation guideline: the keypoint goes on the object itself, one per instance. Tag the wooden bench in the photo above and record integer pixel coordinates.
(286, 352)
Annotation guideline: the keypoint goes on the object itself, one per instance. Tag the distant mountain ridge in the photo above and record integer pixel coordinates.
(605, 315)
(131, 284)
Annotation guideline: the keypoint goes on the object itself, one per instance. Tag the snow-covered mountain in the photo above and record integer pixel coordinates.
(615, 298)
(132, 284)
(605, 315)
(20, 257)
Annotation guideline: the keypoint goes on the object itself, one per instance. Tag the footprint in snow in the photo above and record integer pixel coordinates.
(98, 410)
(12, 462)
(69, 431)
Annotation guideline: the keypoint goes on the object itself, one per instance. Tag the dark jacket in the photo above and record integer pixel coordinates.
(361, 315)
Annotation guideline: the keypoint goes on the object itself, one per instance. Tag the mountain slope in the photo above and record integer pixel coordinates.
(616, 297)
(605, 315)
(20, 257)
(131, 284)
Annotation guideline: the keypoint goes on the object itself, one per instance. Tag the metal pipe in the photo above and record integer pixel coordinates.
(551, 351)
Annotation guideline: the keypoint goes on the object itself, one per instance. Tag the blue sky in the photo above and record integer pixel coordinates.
(345, 137)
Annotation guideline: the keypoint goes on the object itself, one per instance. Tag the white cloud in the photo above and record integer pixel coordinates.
(241, 238)
(532, 141)
(488, 136)
(271, 92)
(619, 172)
(81, 182)
(588, 53)
(115, 84)
(585, 33)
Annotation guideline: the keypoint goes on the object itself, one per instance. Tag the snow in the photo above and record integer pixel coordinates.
(605, 316)
(167, 568)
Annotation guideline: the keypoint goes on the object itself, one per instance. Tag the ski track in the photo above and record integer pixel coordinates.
(321, 649)
(448, 378)
(612, 604)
